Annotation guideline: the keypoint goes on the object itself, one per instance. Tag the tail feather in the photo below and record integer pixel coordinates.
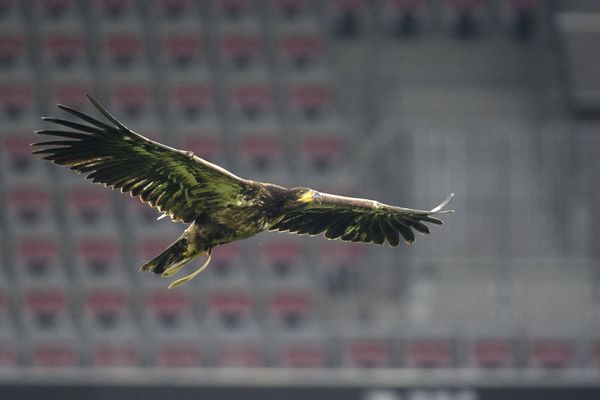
(176, 254)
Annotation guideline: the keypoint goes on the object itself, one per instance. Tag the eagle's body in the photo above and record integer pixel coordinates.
(220, 206)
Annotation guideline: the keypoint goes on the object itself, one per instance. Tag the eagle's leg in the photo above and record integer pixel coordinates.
(191, 276)
(175, 268)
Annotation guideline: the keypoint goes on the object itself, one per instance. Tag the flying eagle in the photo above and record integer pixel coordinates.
(220, 206)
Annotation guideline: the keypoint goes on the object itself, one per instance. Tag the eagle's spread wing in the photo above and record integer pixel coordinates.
(178, 183)
(359, 220)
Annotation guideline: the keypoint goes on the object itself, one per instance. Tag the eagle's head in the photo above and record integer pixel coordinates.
(307, 196)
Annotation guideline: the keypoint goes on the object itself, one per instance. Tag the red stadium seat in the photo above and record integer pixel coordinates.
(63, 48)
(45, 308)
(300, 51)
(282, 260)
(302, 353)
(120, 351)
(98, 257)
(17, 96)
(430, 352)
(123, 49)
(240, 50)
(167, 310)
(191, 100)
(106, 309)
(261, 155)
(231, 308)
(29, 206)
(59, 351)
(177, 352)
(38, 258)
(69, 88)
(182, 48)
(10, 349)
(367, 352)
(53, 11)
(111, 11)
(292, 308)
(250, 100)
(88, 206)
(13, 46)
(551, 353)
(239, 353)
(491, 353)
(15, 159)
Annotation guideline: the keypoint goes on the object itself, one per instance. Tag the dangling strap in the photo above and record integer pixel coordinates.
(191, 276)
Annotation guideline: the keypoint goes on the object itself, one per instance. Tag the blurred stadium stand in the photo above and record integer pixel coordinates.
(400, 100)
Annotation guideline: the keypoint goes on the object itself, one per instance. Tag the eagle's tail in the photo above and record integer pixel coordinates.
(172, 258)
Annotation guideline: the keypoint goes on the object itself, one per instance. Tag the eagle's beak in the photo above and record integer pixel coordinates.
(310, 197)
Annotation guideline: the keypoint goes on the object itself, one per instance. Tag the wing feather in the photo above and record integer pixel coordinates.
(179, 184)
(358, 220)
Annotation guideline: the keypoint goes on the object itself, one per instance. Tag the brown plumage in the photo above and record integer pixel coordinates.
(220, 206)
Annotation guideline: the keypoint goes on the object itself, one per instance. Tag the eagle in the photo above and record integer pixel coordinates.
(219, 206)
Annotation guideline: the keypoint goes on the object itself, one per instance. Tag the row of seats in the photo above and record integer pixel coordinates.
(303, 351)
(347, 18)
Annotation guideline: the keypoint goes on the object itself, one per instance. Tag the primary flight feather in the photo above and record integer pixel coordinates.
(220, 206)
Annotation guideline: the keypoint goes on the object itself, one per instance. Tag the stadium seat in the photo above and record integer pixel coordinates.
(177, 11)
(59, 351)
(17, 165)
(38, 257)
(347, 18)
(68, 88)
(97, 256)
(250, 100)
(310, 99)
(11, 349)
(88, 207)
(63, 47)
(177, 351)
(29, 205)
(405, 18)
(232, 352)
(182, 48)
(18, 96)
(491, 352)
(291, 308)
(57, 11)
(190, 99)
(261, 154)
(114, 11)
(205, 139)
(301, 351)
(106, 309)
(229, 309)
(233, 12)
(466, 18)
(14, 45)
(46, 309)
(281, 260)
(340, 268)
(167, 311)
(300, 52)
(229, 267)
(240, 51)
(286, 13)
(121, 351)
(552, 352)
(132, 97)
(123, 49)
(367, 352)
(428, 352)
